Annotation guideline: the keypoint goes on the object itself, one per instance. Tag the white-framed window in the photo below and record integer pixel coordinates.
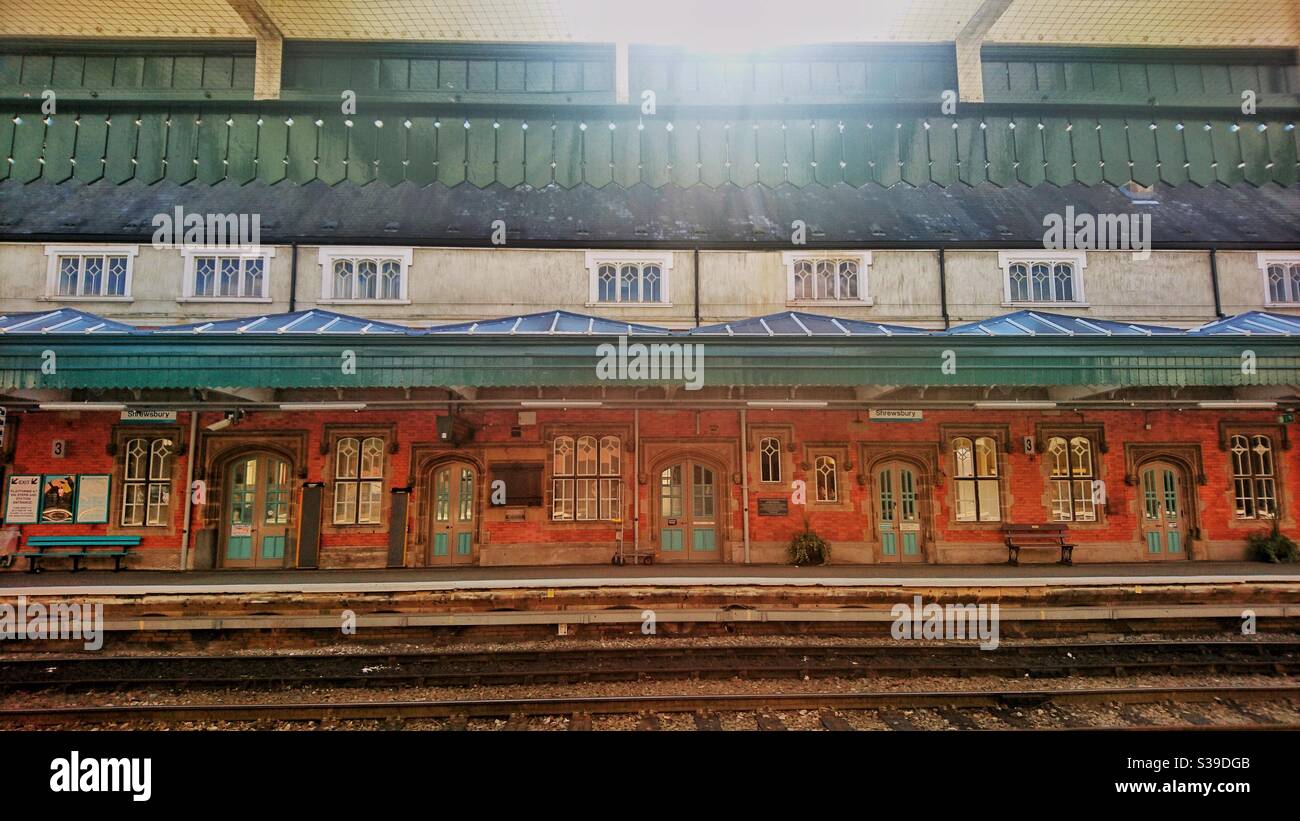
(1281, 279)
(227, 274)
(147, 482)
(586, 478)
(827, 277)
(628, 278)
(975, 476)
(1073, 471)
(1253, 477)
(828, 479)
(364, 274)
(358, 480)
(1033, 279)
(89, 271)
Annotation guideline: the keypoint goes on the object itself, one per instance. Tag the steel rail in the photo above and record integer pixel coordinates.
(624, 705)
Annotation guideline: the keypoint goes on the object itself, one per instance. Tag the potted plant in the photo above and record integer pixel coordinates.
(809, 548)
(1273, 546)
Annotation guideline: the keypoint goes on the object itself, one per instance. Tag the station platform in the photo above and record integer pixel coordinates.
(169, 608)
(155, 582)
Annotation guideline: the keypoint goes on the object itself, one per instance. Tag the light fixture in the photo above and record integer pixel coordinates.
(1235, 404)
(231, 418)
(327, 406)
(560, 403)
(1014, 405)
(82, 406)
(785, 403)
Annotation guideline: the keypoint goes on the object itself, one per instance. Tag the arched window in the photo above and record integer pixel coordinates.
(1072, 478)
(147, 483)
(975, 474)
(1253, 481)
(828, 485)
(769, 459)
(358, 480)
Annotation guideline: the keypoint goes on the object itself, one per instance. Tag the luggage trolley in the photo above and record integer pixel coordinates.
(624, 556)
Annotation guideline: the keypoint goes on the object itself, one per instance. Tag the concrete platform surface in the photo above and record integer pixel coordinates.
(137, 582)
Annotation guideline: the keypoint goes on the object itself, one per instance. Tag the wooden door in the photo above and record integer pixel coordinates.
(1164, 511)
(255, 524)
(898, 505)
(688, 512)
(453, 525)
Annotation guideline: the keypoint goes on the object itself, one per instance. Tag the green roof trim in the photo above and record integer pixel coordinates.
(171, 363)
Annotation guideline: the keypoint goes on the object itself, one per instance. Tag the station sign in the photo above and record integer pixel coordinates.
(148, 416)
(891, 415)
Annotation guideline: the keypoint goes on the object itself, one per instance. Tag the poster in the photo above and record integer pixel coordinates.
(22, 501)
(92, 498)
(57, 493)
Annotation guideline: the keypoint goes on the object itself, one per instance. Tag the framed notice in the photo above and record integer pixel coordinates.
(58, 492)
(23, 500)
(92, 498)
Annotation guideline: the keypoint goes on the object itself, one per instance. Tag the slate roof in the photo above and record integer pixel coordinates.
(983, 215)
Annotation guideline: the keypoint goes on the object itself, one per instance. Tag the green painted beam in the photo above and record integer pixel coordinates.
(180, 363)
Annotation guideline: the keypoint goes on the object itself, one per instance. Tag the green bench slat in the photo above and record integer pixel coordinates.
(56, 554)
(108, 541)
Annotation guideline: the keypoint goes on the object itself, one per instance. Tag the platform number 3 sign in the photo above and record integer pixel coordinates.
(58, 448)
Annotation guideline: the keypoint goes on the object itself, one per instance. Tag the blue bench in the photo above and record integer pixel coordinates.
(76, 548)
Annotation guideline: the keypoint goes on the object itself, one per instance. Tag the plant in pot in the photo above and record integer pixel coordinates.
(808, 548)
(1273, 546)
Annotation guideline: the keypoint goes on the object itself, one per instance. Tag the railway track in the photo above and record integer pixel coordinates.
(452, 669)
(1185, 707)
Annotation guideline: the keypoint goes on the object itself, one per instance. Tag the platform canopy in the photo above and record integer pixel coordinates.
(560, 349)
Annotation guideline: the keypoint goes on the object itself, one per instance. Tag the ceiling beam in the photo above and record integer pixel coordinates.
(270, 47)
(970, 67)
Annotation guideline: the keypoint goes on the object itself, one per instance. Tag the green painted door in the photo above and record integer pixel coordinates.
(453, 514)
(258, 506)
(898, 505)
(688, 512)
(1164, 512)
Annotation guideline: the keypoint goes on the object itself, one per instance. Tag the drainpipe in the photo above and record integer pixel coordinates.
(943, 290)
(636, 481)
(697, 286)
(189, 494)
(1214, 280)
(744, 479)
(293, 277)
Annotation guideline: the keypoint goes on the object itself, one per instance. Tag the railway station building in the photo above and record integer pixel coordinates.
(289, 295)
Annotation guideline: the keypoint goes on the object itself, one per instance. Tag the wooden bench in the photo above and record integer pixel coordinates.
(1020, 537)
(76, 548)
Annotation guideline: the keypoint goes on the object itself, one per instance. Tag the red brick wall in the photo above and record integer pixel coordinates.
(715, 435)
